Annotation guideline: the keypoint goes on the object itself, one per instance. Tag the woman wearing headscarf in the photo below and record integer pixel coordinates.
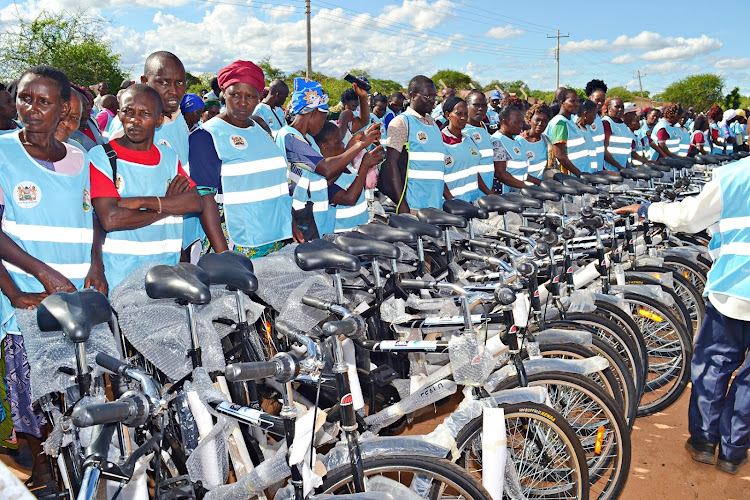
(462, 156)
(240, 172)
(618, 138)
(310, 173)
(88, 134)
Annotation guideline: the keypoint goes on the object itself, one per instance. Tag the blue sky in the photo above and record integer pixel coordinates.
(399, 38)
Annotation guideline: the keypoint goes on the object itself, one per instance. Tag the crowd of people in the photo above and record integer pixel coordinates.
(94, 185)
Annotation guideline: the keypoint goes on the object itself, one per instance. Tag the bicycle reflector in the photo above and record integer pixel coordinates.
(599, 440)
(686, 274)
(650, 315)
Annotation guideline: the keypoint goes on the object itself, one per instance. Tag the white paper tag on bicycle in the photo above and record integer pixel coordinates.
(243, 412)
(303, 427)
(494, 446)
(397, 345)
(521, 310)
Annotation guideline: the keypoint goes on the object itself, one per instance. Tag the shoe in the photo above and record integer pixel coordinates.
(730, 466)
(701, 451)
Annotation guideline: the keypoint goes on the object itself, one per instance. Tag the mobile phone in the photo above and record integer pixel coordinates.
(360, 83)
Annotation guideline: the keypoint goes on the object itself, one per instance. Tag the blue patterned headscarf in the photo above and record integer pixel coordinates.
(308, 95)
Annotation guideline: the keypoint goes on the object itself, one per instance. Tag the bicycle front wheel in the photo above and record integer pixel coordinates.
(426, 477)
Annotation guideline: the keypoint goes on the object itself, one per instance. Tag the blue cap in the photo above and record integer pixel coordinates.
(191, 102)
(495, 94)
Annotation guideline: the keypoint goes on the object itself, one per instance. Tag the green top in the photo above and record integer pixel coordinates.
(559, 132)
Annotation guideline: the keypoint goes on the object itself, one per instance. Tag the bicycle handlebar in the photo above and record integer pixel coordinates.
(283, 368)
(132, 409)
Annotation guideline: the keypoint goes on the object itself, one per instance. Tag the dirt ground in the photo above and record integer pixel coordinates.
(660, 467)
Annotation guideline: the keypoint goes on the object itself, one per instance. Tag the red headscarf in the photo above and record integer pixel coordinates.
(242, 72)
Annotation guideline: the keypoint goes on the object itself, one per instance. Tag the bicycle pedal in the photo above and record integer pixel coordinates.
(383, 375)
(176, 488)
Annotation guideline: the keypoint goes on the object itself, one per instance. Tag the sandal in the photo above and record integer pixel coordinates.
(47, 489)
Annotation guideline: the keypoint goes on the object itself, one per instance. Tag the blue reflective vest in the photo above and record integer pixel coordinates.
(730, 245)
(48, 214)
(461, 162)
(580, 145)
(483, 140)
(673, 143)
(518, 165)
(537, 154)
(308, 186)
(643, 146)
(160, 242)
(255, 190)
(596, 130)
(381, 121)
(274, 118)
(426, 165)
(620, 144)
(348, 217)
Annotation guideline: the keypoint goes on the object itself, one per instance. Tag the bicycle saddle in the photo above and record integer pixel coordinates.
(440, 218)
(73, 313)
(184, 282)
(361, 245)
(600, 178)
(414, 225)
(569, 180)
(522, 200)
(322, 254)
(499, 204)
(635, 174)
(390, 234)
(710, 159)
(559, 187)
(540, 194)
(231, 269)
(464, 209)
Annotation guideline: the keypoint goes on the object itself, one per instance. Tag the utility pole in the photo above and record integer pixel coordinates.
(640, 84)
(557, 56)
(308, 73)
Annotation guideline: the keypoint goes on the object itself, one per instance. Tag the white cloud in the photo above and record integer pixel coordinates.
(504, 32)
(421, 14)
(583, 46)
(684, 48)
(279, 11)
(623, 59)
(645, 40)
(669, 67)
(732, 63)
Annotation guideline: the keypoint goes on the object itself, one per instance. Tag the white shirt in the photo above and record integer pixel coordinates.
(694, 214)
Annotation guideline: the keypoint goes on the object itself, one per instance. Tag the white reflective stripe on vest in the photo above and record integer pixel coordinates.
(576, 142)
(54, 234)
(734, 248)
(578, 154)
(486, 152)
(536, 167)
(425, 174)
(260, 194)
(462, 174)
(254, 167)
(70, 271)
(485, 168)
(129, 247)
(620, 151)
(343, 213)
(734, 223)
(471, 186)
(426, 156)
(305, 183)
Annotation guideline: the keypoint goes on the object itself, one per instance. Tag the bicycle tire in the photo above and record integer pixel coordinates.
(462, 483)
(618, 316)
(696, 273)
(617, 373)
(678, 308)
(554, 429)
(661, 347)
(581, 402)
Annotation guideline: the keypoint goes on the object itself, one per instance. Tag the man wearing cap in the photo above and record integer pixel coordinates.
(310, 173)
(618, 139)
(719, 409)
(493, 111)
(270, 109)
(192, 107)
(240, 172)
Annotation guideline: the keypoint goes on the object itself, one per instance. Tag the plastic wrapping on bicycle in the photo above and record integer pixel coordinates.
(361, 245)
(231, 269)
(73, 313)
(414, 225)
(184, 282)
(132, 409)
(499, 204)
(324, 255)
(283, 368)
(464, 209)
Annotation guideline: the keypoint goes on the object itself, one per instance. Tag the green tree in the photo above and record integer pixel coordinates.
(699, 91)
(69, 41)
(733, 99)
(622, 93)
(386, 87)
(453, 79)
(272, 73)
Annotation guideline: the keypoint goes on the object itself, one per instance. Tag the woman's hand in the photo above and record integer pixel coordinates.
(373, 157)
(372, 134)
(27, 300)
